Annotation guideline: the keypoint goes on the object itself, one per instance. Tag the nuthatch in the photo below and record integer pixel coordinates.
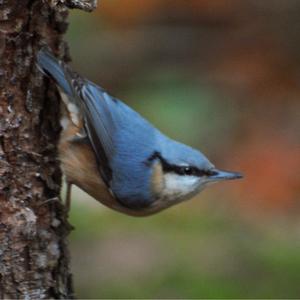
(115, 155)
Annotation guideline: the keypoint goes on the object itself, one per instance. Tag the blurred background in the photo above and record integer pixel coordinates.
(221, 76)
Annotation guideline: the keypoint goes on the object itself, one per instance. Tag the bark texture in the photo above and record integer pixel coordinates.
(86, 5)
(34, 259)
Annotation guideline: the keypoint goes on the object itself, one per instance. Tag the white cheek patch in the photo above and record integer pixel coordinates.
(180, 186)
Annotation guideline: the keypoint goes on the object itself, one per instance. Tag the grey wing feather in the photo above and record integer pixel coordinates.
(99, 125)
(55, 69)
(94, 104)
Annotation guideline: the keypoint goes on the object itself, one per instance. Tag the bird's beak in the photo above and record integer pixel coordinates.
(219, 175)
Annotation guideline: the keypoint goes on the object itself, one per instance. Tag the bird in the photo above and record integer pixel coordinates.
(118, 157)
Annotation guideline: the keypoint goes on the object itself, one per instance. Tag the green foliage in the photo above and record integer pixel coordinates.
(181, 254)
(181, 108)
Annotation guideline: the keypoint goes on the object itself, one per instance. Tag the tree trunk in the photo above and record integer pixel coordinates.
(34, 258)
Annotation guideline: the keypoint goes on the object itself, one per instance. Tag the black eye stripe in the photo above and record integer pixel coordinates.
(191, 171)
(180, 170)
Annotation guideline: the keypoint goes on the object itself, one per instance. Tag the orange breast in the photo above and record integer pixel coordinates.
(80, 167)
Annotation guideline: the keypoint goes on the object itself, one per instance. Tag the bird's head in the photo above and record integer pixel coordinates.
(180, 172)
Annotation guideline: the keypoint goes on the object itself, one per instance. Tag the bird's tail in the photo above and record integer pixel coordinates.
(55, 69)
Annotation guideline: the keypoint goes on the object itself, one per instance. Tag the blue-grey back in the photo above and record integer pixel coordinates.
(135, 141)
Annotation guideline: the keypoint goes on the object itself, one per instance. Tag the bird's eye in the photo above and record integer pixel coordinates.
(186, 171)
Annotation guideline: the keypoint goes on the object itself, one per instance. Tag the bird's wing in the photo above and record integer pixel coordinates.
(97, 108)
(55, 69)
(95, 105)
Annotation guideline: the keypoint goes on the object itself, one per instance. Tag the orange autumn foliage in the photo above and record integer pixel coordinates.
(271, 166)
(126, 12)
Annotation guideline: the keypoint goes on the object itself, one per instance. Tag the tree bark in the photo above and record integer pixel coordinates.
(34, 258)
